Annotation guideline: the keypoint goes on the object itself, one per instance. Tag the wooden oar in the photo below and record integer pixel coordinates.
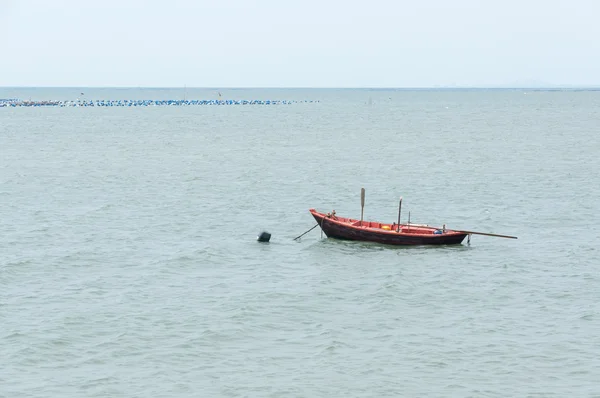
(399, 210)
(463, 231)
(486, 234)
(362, 204)
(469, 232)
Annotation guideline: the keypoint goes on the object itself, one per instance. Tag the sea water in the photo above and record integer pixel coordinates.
(129, 264)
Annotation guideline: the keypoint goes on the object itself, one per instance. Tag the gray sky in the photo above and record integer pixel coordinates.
(303, 43)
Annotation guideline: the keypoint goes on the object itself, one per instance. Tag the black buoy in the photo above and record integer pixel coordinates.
(264, 237)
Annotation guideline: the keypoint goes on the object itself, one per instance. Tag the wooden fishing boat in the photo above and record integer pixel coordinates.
(338, 227)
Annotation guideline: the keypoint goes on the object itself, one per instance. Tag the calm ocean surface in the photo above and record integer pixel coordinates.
(129, 265)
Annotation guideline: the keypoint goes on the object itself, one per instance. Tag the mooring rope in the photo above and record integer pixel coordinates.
(297, 237)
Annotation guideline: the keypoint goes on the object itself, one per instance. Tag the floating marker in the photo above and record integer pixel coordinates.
(264, 237)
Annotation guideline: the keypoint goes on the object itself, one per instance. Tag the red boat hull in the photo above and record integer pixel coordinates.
(367, 231)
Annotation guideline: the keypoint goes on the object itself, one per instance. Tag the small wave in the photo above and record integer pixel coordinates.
(14, 336)
(17, 263)
(102, 381)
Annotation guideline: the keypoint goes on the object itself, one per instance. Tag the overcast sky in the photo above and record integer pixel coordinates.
(302, 43)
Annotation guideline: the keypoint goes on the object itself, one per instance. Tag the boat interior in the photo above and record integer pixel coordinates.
(404, 228)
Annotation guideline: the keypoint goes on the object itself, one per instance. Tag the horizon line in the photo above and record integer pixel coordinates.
(550, 86)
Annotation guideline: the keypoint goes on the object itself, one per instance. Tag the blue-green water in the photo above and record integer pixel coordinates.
(129, 264)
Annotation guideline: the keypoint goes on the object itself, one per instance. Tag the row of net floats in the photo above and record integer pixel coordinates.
(108, 103)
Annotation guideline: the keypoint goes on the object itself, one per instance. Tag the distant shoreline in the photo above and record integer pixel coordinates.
(443, 88)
